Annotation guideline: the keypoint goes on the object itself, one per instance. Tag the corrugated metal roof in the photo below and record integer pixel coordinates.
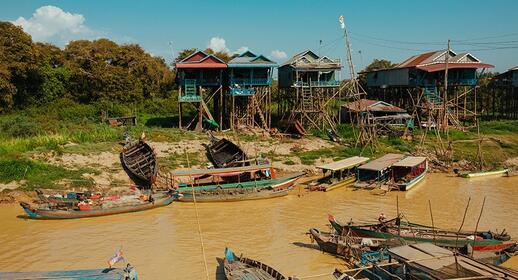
(309, 60)
(383, 162)
(372, 105)
(410, 161)
(442, 66)
(344, 163)
(425, 254)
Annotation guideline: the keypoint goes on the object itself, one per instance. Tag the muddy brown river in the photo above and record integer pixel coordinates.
(164, 243)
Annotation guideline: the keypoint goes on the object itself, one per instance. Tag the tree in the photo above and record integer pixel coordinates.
(378, 64)
(226, 57)
(183, 54)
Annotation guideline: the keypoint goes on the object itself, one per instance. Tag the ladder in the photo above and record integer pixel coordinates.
(190, 91)
(259, 112)
(432, 95)
(307, 98)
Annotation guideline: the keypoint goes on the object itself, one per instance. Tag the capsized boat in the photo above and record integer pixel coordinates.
(104, 207)
(250, 190)
(225, 153)
(397, 228)
(407, 173)
(241, 268)
(139, 161)
(127, 273)
(337, 174)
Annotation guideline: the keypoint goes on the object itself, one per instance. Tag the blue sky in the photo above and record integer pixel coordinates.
(392, 30)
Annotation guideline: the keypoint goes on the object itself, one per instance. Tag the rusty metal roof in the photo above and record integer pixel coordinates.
(344, 163)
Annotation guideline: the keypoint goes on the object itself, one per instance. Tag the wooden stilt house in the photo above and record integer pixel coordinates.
(201, 79)
(249, 94)
(501, 96)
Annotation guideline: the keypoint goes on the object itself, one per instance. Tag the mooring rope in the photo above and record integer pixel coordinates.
(198, 221)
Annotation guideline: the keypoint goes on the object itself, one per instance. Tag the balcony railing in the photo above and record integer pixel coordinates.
(330, 83)
(242, 91)
(250, 81)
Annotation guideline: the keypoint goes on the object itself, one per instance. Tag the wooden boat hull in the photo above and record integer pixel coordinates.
(275, 183)
(236, 195)
(477, 245)
(224, 153)
(483, 174)
(139, 161)
(127, 273)
(46, 214)
(407, 186)
(344, 183)
(240, 268)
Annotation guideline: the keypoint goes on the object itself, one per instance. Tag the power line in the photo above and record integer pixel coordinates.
(485, 38)
(386, 46)
(398, 41)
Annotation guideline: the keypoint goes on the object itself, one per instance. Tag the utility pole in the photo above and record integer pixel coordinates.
(445, 97)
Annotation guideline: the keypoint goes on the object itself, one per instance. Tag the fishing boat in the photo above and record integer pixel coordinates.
(105, 207)
(501, 172)
(224, 153)
(214, 176)
(241, 268)
(250, 190)
(139, 161)
(376, 172)
(127, 273)
(337, 174)
(397, 228)
(407, 173)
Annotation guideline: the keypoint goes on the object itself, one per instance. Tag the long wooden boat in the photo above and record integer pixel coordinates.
(408, 172)
(376, 172)
(213, 176)
(123, 205)
(479, 241)
(229, 195)
(225, 153)
(274, 184)
(337, 174)
(139, 160)
(127, 273)
(241, 268)
(484, 173)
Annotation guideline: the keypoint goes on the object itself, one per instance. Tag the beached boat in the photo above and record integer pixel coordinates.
(224, 153)
(139, 160)
(124, 204)
(396, 228)
(376, 172)
(250, 190)
(337, 174)
(407, 173)
(501, 172)
(241, 268)
(127, 273)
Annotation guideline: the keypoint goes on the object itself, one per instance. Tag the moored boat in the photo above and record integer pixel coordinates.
(127, 273)
(139, 161)
(124, 204)
(408, 172)
(376, 172)
(501, 172)
(396, 228)
(241, 268)
(337, 174)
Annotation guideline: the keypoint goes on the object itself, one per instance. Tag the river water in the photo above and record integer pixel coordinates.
(164, 243)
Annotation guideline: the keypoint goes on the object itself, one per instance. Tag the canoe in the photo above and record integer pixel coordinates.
(224, 153)
(139, 161)
(345, 246)
(274, 183)
(484, 241)
(484, 173)
(241, 268)
(128, 273)
(49, 212)
(229, 195)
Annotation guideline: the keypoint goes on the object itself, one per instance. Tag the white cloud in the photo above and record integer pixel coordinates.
(241, 50)
(278, 54)
(218, 44)
(53, 25)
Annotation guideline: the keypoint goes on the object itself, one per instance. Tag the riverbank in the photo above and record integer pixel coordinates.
(69, 149)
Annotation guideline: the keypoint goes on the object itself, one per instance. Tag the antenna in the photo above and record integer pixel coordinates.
(172, 51)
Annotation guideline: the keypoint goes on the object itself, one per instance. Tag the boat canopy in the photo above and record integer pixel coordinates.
(382, 163)
(218, 171)
(344, 163)
(410, 161)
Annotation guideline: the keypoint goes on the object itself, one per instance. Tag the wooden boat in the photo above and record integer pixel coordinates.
(376, 172)
(483, 173)
(214, 176)
(139, 160)
(250, 190)
(479, 241)
(122, 205)
(224, 153)
(342, 173)
(241, 268)
(127, 273)
(408, 172)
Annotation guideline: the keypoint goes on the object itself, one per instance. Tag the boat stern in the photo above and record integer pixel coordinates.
(29, 211)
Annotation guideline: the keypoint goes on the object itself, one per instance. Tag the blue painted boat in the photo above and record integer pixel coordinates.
(127, 273)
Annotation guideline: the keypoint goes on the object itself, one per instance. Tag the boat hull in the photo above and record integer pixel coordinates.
(414, 182)
(483, 174)
(139, 162)
(253, 195)
(344, 183)
(240, 268)
(127, 273)
(45, 214)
